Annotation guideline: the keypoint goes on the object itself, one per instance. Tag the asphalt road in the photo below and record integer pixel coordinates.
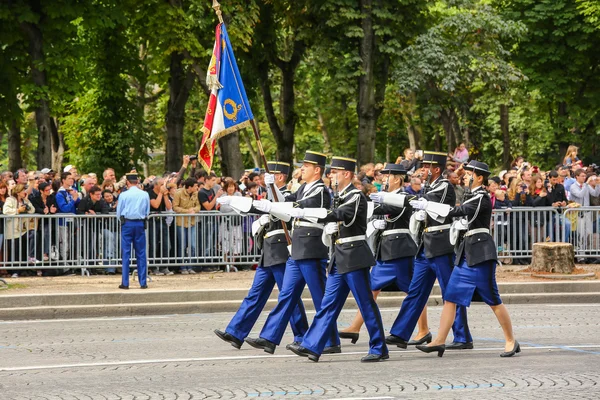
(178, 357)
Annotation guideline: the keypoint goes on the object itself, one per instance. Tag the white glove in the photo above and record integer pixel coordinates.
(296, 212)
(331, 228)
(269, 179)
(262, 205)
(420, 215)
(377, 197)
(264, 219)
(224, 200)
(379, 224)
(420, 204)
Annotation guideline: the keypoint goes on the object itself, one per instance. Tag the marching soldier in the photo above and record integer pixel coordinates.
(348, 269)
(435, 257)
(475, 270)
(308, 261)
(395, 250)
(270, 237)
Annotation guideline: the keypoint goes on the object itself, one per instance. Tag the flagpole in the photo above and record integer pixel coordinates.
(217, 7)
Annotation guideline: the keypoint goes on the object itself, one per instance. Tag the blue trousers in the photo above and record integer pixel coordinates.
(298, 273)
(264, 280)
(426, 270)
(336, 293)
(133, 232)
(394, 274)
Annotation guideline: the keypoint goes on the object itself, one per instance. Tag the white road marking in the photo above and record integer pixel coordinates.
(255, 357)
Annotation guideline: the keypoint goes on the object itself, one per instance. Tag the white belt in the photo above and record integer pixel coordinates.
(437, 228)
(308, 224)
(351, 239)
(275, 232)
(478, 230)
(394, 231)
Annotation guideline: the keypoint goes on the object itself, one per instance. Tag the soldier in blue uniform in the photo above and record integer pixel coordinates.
(308, 261)
(348, 269)
(395, 250)
(435, 257)
(475, 270)
(270, 238)
(133, 210)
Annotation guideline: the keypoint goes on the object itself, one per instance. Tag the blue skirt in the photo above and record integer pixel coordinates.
(478, 280)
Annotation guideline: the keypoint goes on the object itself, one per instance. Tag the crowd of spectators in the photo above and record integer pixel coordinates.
(190, 243)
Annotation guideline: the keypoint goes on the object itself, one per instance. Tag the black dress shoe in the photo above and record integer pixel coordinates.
(516, 349)
(459, 346)
(332, 349)
(350, 335)
(296, 343)
(425, 339)
(123, 287)
(395, 340)
(229, 338)
(430, 349)
(304, 352)
(263, 344)
(374, 357)
(144, 287)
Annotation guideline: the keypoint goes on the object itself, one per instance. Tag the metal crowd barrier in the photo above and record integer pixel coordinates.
(174, 241)
(64, 241)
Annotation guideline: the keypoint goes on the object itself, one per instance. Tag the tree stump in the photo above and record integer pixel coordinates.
(553, 257)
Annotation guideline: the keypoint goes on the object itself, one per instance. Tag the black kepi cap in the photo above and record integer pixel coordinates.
(480, 168)
(278, 167)
(435, 157)
(394, 169)
(313, 157)
(346, 164)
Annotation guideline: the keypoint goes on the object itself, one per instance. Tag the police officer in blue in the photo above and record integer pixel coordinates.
(435, 256)
(133, 210)
(475, 270)
(308, 261)
(270, 238)
(348, 268)
(395, 250)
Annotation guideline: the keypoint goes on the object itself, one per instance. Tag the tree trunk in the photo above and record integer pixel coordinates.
(505, 136)
(409, 104)
(15, 160)
(58, 147)
(180, 84)
(323, 126)
(43, 118)
(253, 153)
(367, 120)
(231, 156)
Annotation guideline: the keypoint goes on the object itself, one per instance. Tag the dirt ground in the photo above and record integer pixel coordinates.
(204, 280)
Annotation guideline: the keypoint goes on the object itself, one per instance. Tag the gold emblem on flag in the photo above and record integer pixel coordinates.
(235, 109)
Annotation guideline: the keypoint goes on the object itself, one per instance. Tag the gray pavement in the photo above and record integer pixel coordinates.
(178, 357)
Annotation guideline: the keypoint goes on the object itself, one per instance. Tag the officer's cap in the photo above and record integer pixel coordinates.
(394, 169)
(278, 167)
(343, 163)
(480, 168)
(132, 176)
(312, 157)
(435, 157)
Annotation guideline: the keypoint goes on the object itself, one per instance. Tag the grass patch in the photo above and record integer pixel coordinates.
(12, 286)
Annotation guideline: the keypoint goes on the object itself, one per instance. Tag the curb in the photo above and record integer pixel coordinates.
(131, 303)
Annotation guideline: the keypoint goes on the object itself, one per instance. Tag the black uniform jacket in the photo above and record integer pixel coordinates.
(395, 245)
(437, 242)
(271, 239)
(306, 241)
(478, 247)
(352, 215)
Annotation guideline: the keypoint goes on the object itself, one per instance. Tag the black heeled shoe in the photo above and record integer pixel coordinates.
(396, 341)
(516, 349)
(425, 339)
(350, 335)
(431, 349)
